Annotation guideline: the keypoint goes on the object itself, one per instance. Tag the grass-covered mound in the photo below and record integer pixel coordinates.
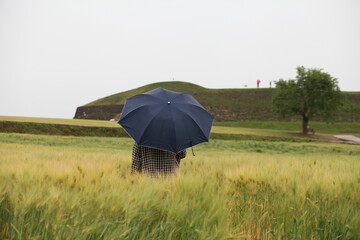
(224, 104)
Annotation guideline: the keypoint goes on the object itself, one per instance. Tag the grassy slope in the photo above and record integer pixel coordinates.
(227, 104)
(206, 96)
(223, 103)
(120, 98)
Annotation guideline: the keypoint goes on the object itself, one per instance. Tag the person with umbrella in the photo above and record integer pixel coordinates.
(155, 161)
(258, 83)
(163, 124)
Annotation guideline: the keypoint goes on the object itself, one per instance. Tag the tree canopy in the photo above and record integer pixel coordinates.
(313, 93)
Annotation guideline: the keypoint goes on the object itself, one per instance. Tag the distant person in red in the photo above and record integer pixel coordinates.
(258, 82)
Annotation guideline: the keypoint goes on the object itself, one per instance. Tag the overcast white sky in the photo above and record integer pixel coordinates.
(56, 55)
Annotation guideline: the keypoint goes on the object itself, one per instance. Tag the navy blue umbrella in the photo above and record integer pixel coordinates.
(166, 120)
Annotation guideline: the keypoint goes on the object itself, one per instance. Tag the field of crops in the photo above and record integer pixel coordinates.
(61, 187)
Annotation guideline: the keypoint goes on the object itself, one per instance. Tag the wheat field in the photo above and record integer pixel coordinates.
(56, 187)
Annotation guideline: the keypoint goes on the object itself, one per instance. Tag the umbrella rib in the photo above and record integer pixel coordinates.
(173, 123)
(195, 103)
(161, 99)
(154, 96)
(134, 111)
(200, 107)
(142, 135)
(179, 95)
(192, 119)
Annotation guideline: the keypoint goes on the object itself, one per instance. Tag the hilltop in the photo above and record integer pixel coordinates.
(224, 104)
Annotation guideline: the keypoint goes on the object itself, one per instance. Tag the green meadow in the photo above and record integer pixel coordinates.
(254, 128)
(94, 128)
(66, 187)
(61, 121)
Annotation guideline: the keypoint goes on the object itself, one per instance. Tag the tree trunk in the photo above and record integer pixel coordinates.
(305, 122)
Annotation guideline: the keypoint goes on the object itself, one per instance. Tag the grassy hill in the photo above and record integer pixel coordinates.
(224, 104)
(120, 98)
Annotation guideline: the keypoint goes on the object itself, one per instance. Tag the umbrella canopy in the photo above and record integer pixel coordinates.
(166, 120)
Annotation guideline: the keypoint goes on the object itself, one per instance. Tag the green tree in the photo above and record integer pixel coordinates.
(313, 93)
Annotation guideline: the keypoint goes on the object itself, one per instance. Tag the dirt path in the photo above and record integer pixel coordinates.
(350, 138)
(339, 138)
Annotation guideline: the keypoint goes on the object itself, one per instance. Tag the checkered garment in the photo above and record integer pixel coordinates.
(155, 161)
